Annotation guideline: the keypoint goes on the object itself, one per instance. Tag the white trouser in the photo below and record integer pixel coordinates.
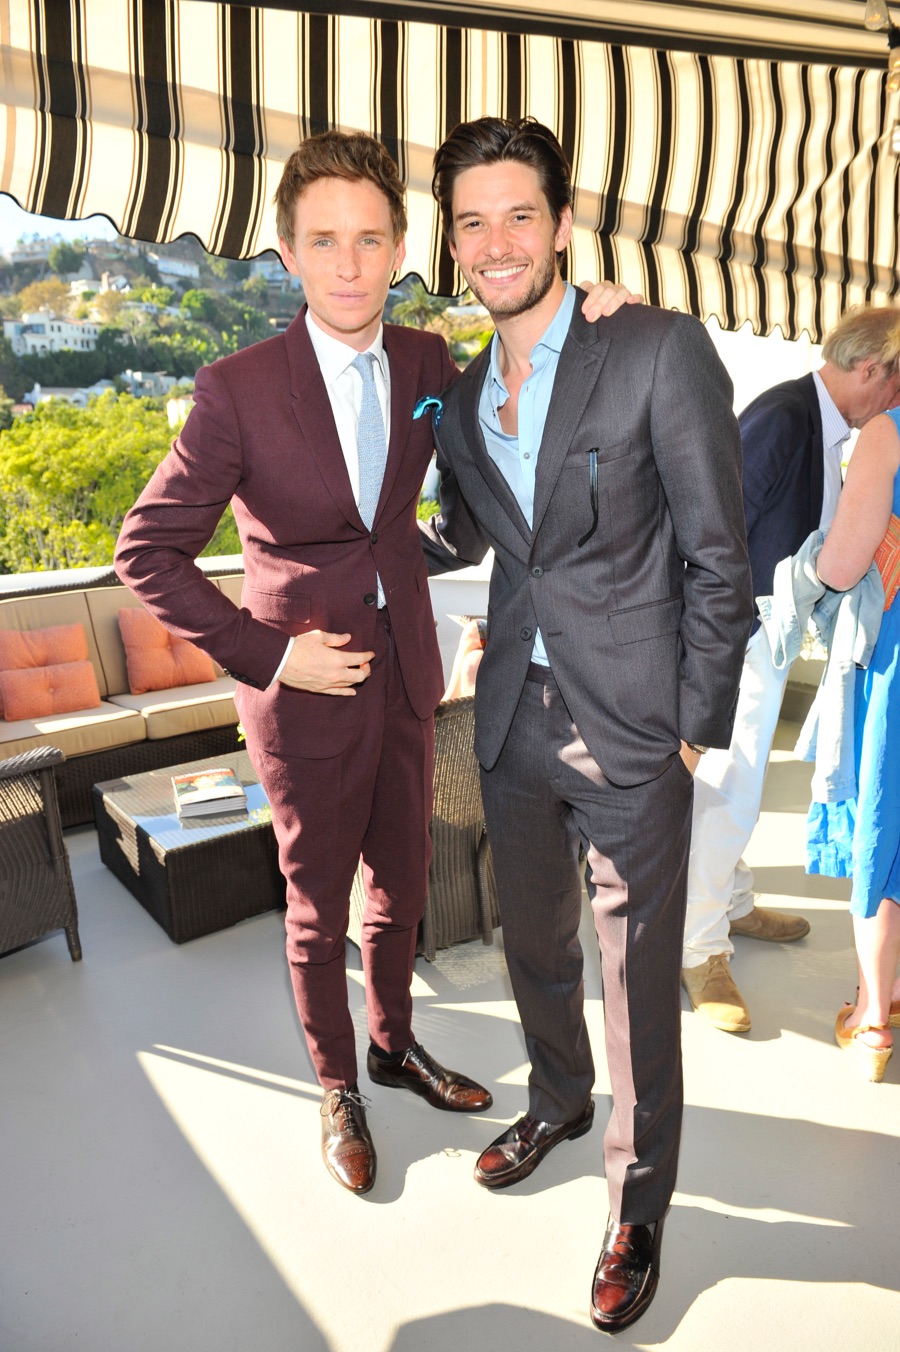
(728, 789)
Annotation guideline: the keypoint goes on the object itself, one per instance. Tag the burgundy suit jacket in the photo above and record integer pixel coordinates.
(262, 436)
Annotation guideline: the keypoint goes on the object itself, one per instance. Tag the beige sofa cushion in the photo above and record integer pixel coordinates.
(76, 734)
(231, 586)
(191, 708)
(104, 604)
(38, 612)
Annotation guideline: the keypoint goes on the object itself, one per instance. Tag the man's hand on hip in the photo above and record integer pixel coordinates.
(314, 663)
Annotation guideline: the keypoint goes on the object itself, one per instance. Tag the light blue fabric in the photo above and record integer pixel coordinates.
(860, 836)
(517, 457)
(847, 624)
(372, 445)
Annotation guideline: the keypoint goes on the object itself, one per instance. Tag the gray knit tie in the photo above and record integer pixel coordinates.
(371, 440)
(372, 446)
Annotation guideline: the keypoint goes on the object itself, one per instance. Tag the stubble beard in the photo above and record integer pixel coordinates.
(507, 307)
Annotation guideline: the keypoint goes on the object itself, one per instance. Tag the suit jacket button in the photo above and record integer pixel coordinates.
(374, 537)
(369, 599)
(537, 571)
(526, 633)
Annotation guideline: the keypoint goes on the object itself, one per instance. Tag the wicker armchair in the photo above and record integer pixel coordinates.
(462, 895)
(36, 892)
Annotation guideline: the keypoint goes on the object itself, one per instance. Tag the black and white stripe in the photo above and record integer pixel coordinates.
(729, 185)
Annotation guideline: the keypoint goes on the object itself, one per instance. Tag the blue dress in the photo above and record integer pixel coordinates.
(860, 837)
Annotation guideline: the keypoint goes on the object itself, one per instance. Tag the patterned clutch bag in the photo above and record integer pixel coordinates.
(887, 561)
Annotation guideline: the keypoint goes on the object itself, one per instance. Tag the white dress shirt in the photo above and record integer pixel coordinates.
(344, 386)
(835, 431)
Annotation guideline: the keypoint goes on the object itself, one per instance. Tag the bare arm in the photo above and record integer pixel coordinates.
(864, 507)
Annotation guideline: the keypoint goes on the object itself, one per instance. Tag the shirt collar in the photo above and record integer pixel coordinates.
(835, 428)
(553, 338)
(334, 357)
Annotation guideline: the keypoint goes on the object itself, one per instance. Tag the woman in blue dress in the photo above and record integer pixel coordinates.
(866, 527)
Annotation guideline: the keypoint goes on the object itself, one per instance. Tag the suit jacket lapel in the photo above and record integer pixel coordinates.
(405, 371)
(470, 395)
(312, 410)
(580, 361)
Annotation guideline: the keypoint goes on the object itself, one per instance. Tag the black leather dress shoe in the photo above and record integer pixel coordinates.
(519, 1151)
(421, 1074)
(627, 1275)
(347, 1147)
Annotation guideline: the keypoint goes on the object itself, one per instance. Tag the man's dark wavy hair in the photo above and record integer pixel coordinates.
(492, 140)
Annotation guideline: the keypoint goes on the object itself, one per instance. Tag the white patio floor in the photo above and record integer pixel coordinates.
(161, 1188)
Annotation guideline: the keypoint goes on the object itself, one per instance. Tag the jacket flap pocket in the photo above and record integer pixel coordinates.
(278, 607)
(635, 623)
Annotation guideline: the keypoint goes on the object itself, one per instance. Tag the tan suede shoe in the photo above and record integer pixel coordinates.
(775, 927)
(713, 994)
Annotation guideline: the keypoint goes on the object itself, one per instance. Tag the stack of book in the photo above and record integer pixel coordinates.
(200, 793)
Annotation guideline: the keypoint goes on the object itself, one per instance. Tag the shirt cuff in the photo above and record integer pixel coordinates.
(281, 664)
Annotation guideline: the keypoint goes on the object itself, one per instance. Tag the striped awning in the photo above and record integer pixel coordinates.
(740, 186)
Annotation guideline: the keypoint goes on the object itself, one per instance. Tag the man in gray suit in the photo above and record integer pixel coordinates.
(602, 464)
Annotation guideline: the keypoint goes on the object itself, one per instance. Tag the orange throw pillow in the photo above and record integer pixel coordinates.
(35, 692)
(156, 659)
(20, 648)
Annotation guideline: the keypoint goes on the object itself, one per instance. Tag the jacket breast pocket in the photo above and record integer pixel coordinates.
(277, 607)
(582, 458)
(637, 623)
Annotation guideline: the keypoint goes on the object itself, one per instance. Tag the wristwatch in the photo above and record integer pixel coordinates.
(700, 750)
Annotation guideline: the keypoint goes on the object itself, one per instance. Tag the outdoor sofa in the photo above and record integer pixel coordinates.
(124, 733)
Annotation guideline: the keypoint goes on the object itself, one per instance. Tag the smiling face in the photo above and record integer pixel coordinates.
(504, 237)
(344, 253)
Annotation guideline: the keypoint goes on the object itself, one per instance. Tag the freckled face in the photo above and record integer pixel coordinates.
(344, 253)
(505, 240)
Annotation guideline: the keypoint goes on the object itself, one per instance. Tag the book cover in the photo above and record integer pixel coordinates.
(216, 789)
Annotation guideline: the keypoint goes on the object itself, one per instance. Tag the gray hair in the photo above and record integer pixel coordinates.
(865, 334)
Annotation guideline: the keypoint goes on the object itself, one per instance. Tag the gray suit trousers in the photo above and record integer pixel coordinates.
(545, 795)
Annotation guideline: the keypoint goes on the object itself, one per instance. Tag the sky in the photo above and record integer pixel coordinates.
(17, 224)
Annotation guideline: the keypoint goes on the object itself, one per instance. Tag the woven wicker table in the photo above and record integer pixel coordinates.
(195, 876)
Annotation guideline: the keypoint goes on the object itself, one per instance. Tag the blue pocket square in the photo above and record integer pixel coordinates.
(427, 402)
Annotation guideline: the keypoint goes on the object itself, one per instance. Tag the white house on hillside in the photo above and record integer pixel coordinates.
(44, 331)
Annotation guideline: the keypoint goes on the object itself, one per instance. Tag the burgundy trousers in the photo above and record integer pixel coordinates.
(374, 800)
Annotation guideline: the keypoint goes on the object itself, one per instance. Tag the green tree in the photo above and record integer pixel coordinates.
(13, 379)
(64, 257)
(199, 304)
(256, 290)
(154, 295)
(67, 477)
(6, 407)
(419, 308)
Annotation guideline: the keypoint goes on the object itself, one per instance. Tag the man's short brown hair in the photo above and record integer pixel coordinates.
(337, 154)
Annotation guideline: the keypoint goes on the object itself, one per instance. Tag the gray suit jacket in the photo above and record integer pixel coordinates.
(646, 622)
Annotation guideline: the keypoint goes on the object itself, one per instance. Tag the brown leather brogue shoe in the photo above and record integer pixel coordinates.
(519, 1151)
(347, 1147)
(627, 1275)
(421, 1074)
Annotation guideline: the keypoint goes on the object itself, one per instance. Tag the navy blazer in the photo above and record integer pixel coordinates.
(783, 476)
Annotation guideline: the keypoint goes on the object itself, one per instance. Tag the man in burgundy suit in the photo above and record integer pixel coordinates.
(336, 686)
(334, 645)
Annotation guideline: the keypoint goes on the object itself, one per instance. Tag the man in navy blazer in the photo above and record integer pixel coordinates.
(792, 438)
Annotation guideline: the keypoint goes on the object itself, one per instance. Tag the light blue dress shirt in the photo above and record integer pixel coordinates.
(516, 457)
